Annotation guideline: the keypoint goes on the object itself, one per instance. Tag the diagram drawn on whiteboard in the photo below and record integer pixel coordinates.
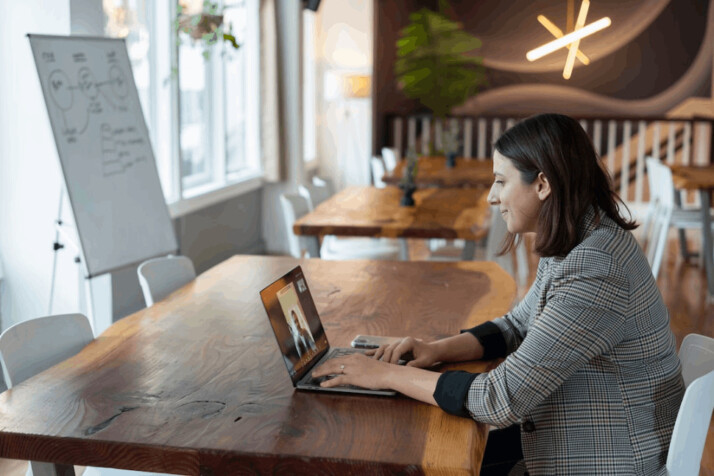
(95, 97)
(81, 99)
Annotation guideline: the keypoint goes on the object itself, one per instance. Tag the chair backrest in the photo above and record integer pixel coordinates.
(32, 346)
(328, 185)
(690, 429)
(697, 356)
(497, 232)
(378, 172)
(316, 194)
(390, 156)
(660, 181)
(304, 192)
(159, 277)
(294, 206)
(660, 213)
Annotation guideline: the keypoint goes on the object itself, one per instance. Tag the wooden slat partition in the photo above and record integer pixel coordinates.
(622, 142)
(468, 135)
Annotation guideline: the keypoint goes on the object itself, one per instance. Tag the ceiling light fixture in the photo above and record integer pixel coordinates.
(568, 70)
(571, 39)
(557, 32)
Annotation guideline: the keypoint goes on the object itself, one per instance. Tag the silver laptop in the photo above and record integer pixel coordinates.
(300, 335)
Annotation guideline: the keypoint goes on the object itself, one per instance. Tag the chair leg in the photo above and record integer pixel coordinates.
(51, 469)
(683, 245)
(682, 235)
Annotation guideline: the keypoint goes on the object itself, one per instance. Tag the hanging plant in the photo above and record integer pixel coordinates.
(206, 27)
(434, 64)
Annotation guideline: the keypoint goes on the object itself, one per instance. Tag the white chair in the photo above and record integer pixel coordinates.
(334, 248)
(697, 356)
(496, 234)
(159, 277)
(378, 172)
(690, 429)
(324, 182)
(390, 155)
(661, 186)
(33, 346)
(316, 192)
(663, 214)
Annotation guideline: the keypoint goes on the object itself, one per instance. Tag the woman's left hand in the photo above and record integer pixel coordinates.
(356, 369)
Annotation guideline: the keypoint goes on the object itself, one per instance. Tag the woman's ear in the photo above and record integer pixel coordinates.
(542, 187)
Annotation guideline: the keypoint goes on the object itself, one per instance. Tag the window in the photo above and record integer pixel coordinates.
(201, 103)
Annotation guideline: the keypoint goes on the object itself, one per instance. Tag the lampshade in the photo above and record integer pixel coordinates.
(357, 86)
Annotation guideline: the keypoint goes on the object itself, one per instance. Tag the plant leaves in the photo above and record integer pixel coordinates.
(433, 62)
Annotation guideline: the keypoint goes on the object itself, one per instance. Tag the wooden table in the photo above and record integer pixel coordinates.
(702, 179)
(448, 213)
(433, 171)
(196, 384)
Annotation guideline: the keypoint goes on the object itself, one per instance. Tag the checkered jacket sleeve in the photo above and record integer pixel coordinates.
(582, 318)
(503, 335)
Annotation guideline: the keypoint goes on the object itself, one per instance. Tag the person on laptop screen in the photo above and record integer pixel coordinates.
(591, 382)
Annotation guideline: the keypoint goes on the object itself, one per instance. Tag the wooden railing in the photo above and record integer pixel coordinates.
(622, 143)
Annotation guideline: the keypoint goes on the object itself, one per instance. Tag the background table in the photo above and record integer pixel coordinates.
(196, 384)
(433, 171)
(448, 213)
(701, 179)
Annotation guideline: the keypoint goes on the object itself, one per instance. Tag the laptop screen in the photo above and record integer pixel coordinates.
(297, 327)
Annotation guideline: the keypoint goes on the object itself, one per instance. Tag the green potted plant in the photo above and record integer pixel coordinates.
(408, 182)
(450, 139)
(435, 63)
(205, 26)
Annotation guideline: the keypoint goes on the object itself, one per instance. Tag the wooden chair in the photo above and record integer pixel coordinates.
(690, 429)
(159, 277)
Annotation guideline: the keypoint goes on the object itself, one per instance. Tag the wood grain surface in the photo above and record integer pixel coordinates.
(433, 171)
(368, 211)
(196, 385)
(693, 177)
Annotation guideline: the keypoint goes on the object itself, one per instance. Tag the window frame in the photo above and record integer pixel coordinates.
(186, 196)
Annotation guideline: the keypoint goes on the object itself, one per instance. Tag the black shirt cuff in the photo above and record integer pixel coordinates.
(491, 339)
(452, 388)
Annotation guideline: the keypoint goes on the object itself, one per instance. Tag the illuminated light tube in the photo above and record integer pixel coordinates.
(570, 62)
(557, 32)
(554, 45)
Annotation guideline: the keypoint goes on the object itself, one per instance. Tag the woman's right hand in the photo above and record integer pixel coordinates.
(424, 354)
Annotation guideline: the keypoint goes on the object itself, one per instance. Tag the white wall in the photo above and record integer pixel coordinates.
(289, 31)
(30, 181)
(344, 45)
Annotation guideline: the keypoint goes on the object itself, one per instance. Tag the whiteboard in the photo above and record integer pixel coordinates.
(104, 149)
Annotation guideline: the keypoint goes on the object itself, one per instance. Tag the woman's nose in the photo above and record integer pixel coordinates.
(493, 197)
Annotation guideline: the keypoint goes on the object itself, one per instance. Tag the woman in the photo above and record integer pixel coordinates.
(591, 373)
(296, 332)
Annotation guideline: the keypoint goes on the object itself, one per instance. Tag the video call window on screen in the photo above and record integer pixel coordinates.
(294, 319)
(303, 340)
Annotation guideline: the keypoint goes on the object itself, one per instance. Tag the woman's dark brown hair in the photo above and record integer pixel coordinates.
(557, 146)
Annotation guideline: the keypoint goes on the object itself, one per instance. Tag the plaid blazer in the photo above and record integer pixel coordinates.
(591, 374)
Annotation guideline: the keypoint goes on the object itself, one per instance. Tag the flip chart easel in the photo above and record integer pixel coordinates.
(108, 165)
